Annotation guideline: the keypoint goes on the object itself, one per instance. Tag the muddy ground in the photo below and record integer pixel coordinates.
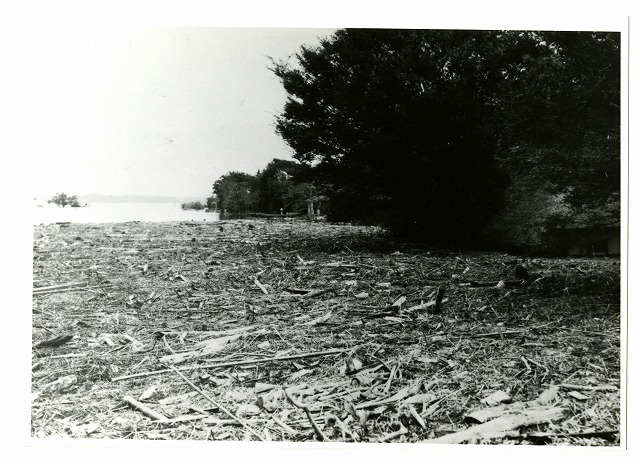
(299, 331)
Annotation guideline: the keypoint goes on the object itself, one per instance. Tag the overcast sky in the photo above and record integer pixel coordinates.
(109, 107)
(158, 111)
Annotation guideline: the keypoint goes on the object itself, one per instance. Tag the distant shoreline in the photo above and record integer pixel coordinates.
(102, 198)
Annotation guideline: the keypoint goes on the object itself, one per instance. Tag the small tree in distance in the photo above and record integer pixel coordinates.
(62, 199)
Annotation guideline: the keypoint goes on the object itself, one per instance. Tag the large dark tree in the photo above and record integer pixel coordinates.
(394, 120)
(412, 127)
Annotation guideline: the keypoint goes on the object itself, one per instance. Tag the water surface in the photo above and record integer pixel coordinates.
(98, 213)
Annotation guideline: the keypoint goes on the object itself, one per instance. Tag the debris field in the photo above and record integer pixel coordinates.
(271, 330)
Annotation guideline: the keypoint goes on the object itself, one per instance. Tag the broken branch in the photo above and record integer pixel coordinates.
(321, 436)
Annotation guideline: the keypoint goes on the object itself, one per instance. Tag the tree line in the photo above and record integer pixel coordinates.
(283, 186)
(423, 131)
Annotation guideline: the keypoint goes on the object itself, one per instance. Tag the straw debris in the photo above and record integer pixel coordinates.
(299, 331)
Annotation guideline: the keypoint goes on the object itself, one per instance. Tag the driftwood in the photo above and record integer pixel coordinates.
(496, 427)
(175, 288)
(147, 411)
(54, 342)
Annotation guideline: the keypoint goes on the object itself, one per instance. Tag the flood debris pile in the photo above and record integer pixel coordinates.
(299, 331)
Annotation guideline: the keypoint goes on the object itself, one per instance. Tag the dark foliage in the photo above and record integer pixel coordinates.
(417, 129)
(282, 186)
(235, 192)
(62, 200)
(394, 121)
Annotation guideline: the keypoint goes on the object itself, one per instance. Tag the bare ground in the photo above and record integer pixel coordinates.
(298, 331)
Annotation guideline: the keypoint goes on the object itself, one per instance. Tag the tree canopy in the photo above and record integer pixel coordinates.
(282, 186)
(419, 129)
(235, 192)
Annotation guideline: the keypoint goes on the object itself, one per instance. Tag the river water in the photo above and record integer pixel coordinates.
(99, 213)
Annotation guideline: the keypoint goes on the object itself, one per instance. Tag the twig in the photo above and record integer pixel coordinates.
(321, 436)
(216, 404)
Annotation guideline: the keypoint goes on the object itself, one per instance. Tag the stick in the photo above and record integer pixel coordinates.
(216, 404)
(417, 417)
(144, 409)
(342, 426)
(216, 421)
(235, 363)
(496, 334)
(260, 286)
(321, 436)
(57, 287)
(589, 388)
(313, 293)
(387, 385)
(284, 425)
(474, 284)
(601, 434)
(183, 419)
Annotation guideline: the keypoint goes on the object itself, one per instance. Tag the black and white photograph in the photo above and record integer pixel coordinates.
(329, 235)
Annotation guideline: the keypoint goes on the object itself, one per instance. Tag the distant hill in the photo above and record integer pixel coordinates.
(101, 198)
